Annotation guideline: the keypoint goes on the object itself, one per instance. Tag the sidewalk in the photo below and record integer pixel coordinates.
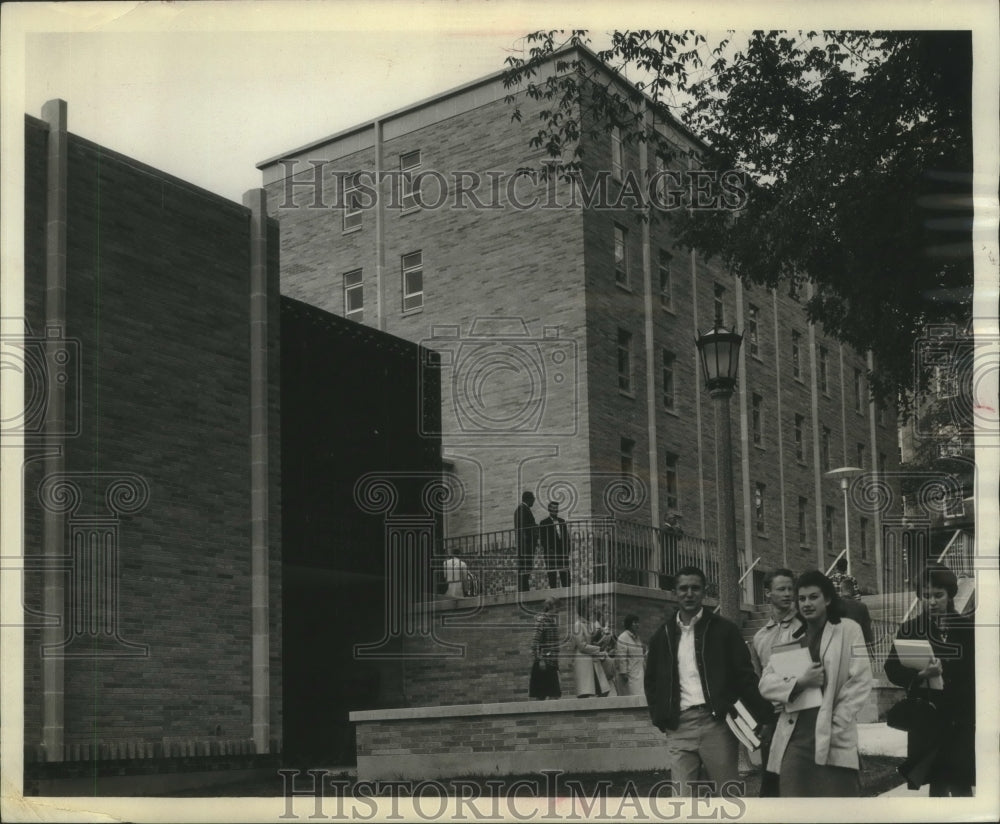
(881, 739)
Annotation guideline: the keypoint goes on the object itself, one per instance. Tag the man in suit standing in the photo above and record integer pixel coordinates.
(524, 523)
(555, 543)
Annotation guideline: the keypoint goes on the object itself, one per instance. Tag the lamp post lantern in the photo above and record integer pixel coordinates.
(719, 349)
(844, 473)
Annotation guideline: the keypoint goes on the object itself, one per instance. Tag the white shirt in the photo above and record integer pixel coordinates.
(455, 570)
(687, 665)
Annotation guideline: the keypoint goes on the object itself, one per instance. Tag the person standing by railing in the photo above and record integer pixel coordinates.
(555, 545)
(527, 535)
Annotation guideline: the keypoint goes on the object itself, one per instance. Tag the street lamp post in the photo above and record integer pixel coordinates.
(719, 349)
(844, 473)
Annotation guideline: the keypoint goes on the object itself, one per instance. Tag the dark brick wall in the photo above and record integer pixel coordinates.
(158, 297)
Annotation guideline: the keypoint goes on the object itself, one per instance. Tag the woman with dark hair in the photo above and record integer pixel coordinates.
(815, 749)
(943, 754)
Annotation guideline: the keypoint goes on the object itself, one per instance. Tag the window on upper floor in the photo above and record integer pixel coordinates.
(627, 454)
(719, 304)
(673, 499)
(621, 256)
(669, 359)
(354, 296)
(859, 390)
(796, 355)
(413, 280)
(617, 156)
(800, 440)
(803, 522)
(625, 381)
(828, 528)
(409, 166)
(666, 287)
(757, 419)
(861, 455)
(352, 204)
(824, 449)
(759, 502)
(753, 315)
(824, 385)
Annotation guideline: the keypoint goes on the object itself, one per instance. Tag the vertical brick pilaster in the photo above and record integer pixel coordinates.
(54, 113)
(255, 200)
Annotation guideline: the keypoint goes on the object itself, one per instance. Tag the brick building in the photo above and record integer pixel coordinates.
(152, 461)
(566, 332)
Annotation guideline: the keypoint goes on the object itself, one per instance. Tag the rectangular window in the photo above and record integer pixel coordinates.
(803, 522)
(666, 288)
(413, 281)
(824, 386)
(759, 493)
(621, 256)
(617, 158)
(880, 414)
(752, 317)
(881, 462)
(858, 390)
(828, 528)
(824, 450)
(757, 419)
(861, 456)
(796, 356)
(354, 296)
(863, 530)
(352, 204)
(409, 164)
(624, 361)
(627, 449)
(719, 305)
(668, 380)
(671, 478)
(800, 442)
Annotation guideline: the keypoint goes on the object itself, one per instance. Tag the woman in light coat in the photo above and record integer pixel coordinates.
(815, 750)
(587, 656)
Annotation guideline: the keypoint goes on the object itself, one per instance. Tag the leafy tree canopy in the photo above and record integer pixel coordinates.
(858, 146)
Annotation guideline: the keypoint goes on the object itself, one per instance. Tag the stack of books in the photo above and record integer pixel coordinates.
(744, 727)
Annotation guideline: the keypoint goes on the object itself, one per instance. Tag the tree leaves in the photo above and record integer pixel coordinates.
(853, 141)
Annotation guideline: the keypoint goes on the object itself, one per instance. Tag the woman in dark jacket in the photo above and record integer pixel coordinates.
(943, 755)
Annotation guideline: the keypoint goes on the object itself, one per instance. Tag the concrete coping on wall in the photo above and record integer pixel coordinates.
(505, 708)
(537, 596)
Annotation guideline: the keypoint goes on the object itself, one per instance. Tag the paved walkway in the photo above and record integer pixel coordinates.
(881, 739)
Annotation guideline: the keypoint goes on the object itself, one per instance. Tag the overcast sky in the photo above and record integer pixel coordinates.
(206, 102)
(206, 90)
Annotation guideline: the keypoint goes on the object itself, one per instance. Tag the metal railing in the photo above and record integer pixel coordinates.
(600, 550)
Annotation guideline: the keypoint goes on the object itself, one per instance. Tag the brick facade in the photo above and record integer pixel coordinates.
(158, 303)
(556, 268)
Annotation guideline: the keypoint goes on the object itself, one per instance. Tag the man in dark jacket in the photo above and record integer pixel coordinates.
(555, 542)
(527, 537)
(698, 666)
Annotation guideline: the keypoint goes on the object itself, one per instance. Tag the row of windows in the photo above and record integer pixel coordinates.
(409, 165)
(627, 457)
(412, 283)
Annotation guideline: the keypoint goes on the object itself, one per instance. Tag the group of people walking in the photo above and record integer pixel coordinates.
(804, 679)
